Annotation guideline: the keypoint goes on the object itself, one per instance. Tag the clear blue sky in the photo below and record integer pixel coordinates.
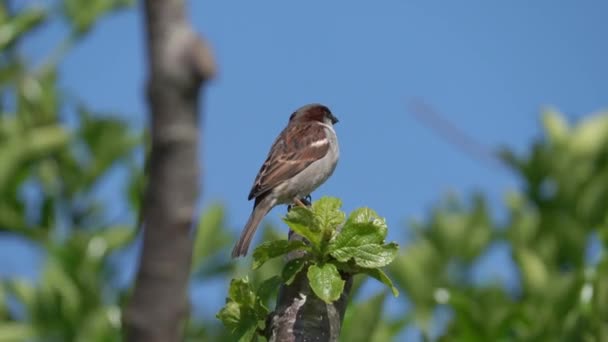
(488, 68)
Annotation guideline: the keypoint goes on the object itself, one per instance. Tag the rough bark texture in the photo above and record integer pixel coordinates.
(179, 64)
(301, 316)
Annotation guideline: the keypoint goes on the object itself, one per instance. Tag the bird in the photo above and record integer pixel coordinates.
(302, 157)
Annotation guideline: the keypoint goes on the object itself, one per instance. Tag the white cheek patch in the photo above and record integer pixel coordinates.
(320, 143)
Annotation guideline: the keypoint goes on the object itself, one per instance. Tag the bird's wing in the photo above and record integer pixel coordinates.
(294, 149)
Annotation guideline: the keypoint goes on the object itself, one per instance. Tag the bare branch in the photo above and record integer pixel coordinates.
(425, 114)
(179, 64)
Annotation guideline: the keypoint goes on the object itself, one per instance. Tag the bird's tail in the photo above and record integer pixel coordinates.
(260, 209)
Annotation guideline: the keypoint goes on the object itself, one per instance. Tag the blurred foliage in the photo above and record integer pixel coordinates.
(555, 231)
(56, 153)
(61, 167)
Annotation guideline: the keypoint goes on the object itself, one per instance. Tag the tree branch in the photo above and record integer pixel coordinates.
(179, 64)
(300, 315)
(425, 114)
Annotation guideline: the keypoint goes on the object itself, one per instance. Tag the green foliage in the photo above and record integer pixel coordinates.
(243, 311)
(355, 245)
(548, 230)
(546, 226)
(211, 238)
(325, 281)
(335, 246)
(83, 14)
(74, 298)
(362, 240)
(367, 321)
(77, 295)
(15, 26)
(272, 249)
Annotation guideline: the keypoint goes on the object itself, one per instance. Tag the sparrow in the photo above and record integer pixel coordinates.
(301, 158)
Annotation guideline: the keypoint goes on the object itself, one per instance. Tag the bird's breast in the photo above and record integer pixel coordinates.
(313, 175)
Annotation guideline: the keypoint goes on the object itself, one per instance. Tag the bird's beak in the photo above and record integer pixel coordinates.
(334, 120)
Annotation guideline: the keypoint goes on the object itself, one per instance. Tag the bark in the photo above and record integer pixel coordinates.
(179, 64)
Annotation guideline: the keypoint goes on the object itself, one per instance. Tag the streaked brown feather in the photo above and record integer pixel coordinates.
(290, 154)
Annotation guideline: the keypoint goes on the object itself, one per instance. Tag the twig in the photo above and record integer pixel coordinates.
(425, 114)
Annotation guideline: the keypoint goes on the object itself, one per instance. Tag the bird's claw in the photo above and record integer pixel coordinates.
(304, 202)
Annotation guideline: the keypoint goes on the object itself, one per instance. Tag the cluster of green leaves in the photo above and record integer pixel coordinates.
(548, 227)
(74, 298)
(334, 245)
(55, 155)
(555, 231)
(245, 311)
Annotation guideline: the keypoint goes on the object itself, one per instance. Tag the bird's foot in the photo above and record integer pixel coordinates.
(299, 202)
(304, 202)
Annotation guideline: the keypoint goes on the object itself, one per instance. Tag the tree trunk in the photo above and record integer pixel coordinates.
(179, 64)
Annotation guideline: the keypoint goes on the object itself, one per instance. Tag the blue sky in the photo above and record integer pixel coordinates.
(486, 67)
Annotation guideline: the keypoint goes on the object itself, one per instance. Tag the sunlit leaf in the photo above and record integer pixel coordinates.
(272, 249)
(302, 221)
(370, 255)
(326, 282)
(327, 212)
(379, 275)
(555, 125)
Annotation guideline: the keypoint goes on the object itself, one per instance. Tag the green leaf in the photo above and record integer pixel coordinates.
(291, 269)
(555, 125)
(243, 311)
(272, 249)
(368, 255)
(379, 275)
(211, 236)
(302, 222)
(19, 25)
(230, 314)
(241, 292)
(355, 235)
(533, 270)
(363, 227)
(362, 239)
(268, 287)
(241, 321)
(58, 283)
(23, 291)
(42, 141)
(83, 14)
(327, 212)
(38, 142)
(107, 140)
(367, 215)
(589, 135)
(102, 324)
(116, 237)
(326, 282)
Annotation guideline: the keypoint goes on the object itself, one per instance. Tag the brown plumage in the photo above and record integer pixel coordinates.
(302, 157)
